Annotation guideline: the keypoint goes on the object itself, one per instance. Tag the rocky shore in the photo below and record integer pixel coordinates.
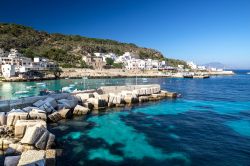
(25, 139)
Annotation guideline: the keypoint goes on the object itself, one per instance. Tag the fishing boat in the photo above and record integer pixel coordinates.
(21, 92)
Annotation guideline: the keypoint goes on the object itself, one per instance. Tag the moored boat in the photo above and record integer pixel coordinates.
(201, 76)
(21, 92)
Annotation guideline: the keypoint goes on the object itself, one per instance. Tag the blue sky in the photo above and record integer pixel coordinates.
(199, 30)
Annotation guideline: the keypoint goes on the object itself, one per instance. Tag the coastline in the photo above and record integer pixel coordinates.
(75, 73)
(24, 129)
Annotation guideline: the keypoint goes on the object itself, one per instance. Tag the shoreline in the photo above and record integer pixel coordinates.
(113, 73)
(24, 129)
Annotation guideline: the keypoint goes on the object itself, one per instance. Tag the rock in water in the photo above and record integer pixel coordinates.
(55, 117)
(32, 158)
(38, 136)
(21, 126)
(65, 113)
(80, 110)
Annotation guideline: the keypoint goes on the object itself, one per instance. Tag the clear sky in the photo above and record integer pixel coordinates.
(199, 30)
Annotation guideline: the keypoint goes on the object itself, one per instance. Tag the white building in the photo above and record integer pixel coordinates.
(192, 65)
(8, 70)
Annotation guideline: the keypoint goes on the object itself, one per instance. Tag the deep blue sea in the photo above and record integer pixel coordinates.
(208, 126)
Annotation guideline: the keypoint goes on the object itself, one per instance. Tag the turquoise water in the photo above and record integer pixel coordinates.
(208, 126)
(8, 89)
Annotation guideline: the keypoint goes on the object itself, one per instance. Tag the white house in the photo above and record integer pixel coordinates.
(192, 65)
(8, 70)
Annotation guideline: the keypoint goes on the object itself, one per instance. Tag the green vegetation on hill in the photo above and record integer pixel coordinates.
(67, 50)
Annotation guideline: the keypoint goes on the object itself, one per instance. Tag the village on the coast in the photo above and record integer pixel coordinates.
(18, 67)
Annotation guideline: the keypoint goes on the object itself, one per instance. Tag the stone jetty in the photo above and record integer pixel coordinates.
(24, 137)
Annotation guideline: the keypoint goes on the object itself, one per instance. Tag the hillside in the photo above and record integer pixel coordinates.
(67, 50)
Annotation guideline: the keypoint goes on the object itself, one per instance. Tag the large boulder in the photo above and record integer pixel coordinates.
(48, 105)
(37, 114)
(97, 103)
(65, 113)
(13, 116)
(115, 98)
(21, 126)
(11, 160)
(3, 118)
(55, 117)
(51, 101)
(84, 96)
(38, 136)
(32, 158)
(68, 104)
(80, 110)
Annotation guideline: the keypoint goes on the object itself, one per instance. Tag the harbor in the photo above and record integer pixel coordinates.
(24, 121)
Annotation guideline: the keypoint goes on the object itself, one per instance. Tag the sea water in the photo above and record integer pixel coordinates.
(208, 126)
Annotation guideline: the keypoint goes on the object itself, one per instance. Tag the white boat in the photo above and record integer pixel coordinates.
(21, 92)
(248, 72)
(41, 84)
(144, 80)
(30, 87)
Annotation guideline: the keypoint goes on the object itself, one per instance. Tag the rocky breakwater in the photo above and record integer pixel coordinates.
(25, 139)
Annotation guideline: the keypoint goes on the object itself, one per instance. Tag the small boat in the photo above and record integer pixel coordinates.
(30, 87)
(41, 84)
(248, 72)
(201, 76)
(67, 89)
(144, 80)
(188, 75)
(72, 85)
(21, 92)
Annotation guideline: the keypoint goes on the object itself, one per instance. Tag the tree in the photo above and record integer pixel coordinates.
(109, 61)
